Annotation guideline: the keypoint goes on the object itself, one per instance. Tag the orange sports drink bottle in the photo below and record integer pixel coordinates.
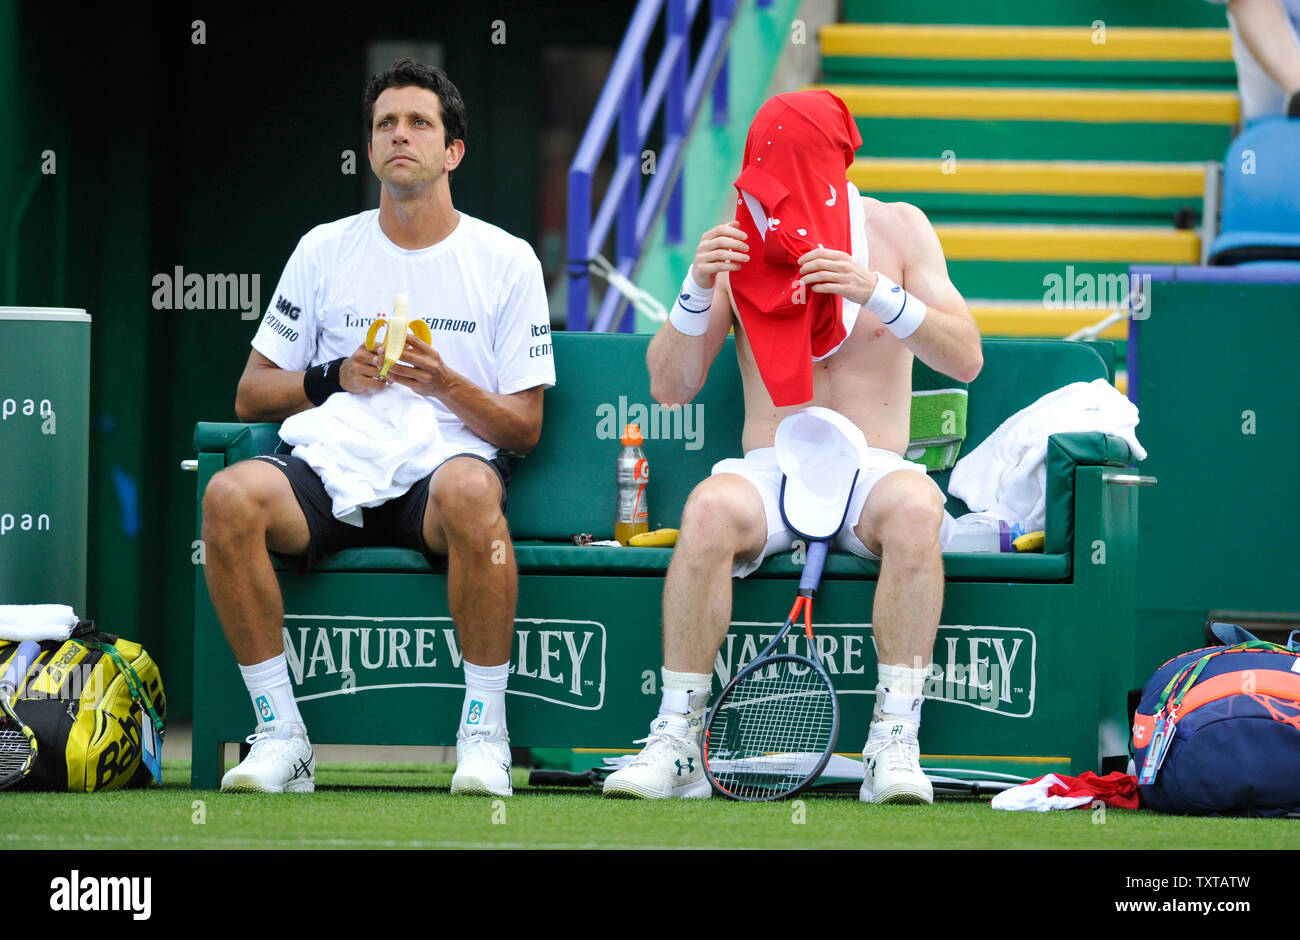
(631, 514)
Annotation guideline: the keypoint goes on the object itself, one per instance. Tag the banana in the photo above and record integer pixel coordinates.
(395, 330)
(1030, 542)
(659, 538)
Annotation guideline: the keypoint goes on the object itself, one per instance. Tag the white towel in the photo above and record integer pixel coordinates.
(1033, 797)
(368, 449)
(20, 622)
(1006, 475)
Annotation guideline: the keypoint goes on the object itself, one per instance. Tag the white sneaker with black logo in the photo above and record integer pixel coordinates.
(482, 762)
(279, 761)
(891, 764)
(668, 766)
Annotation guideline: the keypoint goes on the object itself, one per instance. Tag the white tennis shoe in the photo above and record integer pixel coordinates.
(668, 766)
(891, 764)
(483, 762)
(279, 761)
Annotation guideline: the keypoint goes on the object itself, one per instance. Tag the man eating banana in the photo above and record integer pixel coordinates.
(831, 295)
(451, 392)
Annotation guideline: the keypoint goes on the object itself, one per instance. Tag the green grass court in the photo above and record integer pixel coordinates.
(407, 806)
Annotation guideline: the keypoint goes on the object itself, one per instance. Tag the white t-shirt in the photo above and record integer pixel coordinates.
(480, 290)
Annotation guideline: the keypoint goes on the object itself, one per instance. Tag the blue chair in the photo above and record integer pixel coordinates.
(1261, 196)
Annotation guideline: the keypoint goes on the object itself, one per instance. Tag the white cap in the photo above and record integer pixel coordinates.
(820, 453)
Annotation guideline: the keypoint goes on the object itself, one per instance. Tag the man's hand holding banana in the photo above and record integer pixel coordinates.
(426, 373)
(360, 372)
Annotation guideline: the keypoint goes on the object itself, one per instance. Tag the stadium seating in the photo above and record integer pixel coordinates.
(1261, 198)
(1035, 649)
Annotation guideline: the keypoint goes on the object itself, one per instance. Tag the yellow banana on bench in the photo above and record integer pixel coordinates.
(395, 330)
(659, 537)
(1030, 541)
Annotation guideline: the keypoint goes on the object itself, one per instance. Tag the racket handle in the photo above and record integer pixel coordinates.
(27, 651)
(812, 567)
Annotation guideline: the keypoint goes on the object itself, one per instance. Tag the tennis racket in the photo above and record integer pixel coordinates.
(17, 742)
(773, 729)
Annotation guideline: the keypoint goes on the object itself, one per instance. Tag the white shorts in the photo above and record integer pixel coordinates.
(760, 468)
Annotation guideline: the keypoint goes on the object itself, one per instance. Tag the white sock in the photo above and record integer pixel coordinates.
(485, 695)
(272, 693)
(684, 692)
(899, 691)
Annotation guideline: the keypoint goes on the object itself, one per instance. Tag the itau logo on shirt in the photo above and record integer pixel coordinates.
(475, 712)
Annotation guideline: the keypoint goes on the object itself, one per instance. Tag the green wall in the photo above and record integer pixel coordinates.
(1216, 389)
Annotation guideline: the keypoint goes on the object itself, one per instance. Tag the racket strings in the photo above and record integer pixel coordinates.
(773, 730)
(15, 750)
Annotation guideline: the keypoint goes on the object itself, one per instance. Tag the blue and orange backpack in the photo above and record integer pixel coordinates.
(1217, 731)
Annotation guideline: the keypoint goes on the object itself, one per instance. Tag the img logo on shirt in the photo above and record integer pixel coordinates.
(475, 712)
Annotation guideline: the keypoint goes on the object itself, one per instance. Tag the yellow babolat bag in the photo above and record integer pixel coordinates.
(95, 705)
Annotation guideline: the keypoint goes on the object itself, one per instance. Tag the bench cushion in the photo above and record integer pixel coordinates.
(550, 558)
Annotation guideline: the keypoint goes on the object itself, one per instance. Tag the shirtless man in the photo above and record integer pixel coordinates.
(731, 521)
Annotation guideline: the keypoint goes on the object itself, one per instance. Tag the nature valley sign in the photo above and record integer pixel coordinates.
(558, 661)
(988, 668)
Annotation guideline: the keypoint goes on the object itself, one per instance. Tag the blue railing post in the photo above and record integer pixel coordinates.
(721, 11)
(675, 113)
(629, 153)
(579, 230)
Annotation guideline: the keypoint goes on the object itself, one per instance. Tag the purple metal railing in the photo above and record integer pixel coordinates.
(680, 87)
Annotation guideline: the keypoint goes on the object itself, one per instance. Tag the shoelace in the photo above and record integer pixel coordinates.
(492, 749)
(651, 741)
(264, 745)
(895, 754)
(480, 741)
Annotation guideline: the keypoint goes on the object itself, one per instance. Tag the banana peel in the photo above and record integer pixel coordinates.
(395, 329)
(1030, 542)
(659, 538)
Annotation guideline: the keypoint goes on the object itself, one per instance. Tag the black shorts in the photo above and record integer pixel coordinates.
(398, 522)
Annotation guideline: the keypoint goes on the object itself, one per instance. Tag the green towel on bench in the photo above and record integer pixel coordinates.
(938, 427)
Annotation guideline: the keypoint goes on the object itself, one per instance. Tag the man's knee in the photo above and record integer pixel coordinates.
(467, 495)
(253, 503)
(233, 504)
(906, 518)
(723, 515)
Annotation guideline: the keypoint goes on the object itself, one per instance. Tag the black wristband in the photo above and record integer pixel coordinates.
(322, 381)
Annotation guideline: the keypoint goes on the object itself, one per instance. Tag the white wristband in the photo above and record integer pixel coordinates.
(690, 314)
(897, 309)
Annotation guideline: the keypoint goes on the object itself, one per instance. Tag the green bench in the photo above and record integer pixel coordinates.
(1035, 650)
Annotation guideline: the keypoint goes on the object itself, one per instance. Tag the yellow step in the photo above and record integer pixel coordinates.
(1011, 318)
(1124, 243)
(898, 41)
(1040, 177)
(1086, 105)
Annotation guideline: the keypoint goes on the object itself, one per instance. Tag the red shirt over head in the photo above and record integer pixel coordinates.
(793, 177)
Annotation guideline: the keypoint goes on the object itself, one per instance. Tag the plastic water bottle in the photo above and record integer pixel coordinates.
(631, 514)
(978, 533)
